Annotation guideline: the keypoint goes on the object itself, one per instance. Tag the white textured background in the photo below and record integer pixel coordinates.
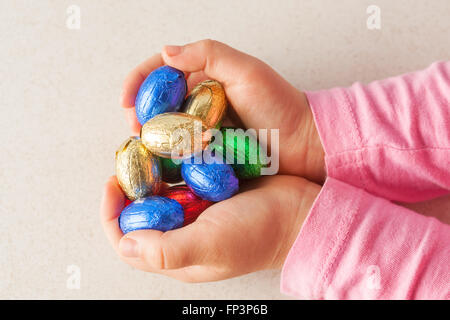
(60, 120)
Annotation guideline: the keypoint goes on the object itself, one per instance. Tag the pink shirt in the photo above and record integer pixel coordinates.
(387, 141)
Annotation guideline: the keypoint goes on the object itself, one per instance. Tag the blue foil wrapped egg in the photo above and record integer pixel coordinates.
(162, 91)
(154, 212)
(214, 181)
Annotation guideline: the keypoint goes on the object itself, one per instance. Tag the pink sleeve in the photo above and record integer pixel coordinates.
(390, 137)
(354, 245)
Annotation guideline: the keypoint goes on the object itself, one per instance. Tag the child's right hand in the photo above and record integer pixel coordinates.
(259, 97)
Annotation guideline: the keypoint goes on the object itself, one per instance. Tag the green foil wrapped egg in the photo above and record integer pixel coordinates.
(242, 151)
(137, 169)
(170, 171)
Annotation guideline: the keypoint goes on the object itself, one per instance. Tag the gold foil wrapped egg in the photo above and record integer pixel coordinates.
(137, 169)
(175, 135)
(208, 102)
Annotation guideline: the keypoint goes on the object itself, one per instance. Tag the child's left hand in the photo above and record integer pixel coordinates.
(251, 231)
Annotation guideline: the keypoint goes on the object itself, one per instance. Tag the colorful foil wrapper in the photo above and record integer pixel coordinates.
(211, 181)
(192, 204)
(154, 212)
(175, 135)
(162, 91)
(171, 171)
(208, 102)
(138, 171)
(242, 151)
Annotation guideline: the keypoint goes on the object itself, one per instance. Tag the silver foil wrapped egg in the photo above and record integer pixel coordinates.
(175, 135)
(137, 169)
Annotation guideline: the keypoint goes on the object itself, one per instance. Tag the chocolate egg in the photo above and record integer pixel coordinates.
(208, 102)
(192, 205)
(243, 152)
(170, 171)
(162, 91)
(175, 135)
(154, 212)
(214, 181)
(138, 171)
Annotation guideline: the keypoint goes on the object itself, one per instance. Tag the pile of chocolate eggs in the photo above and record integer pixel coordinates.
(144, 163)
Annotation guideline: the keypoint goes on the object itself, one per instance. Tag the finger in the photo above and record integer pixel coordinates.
(173, 249)
(191, 274)
(196, 274)
(136, 77)
(195, 78)
(130, 116)
(111, 206)
(217, 60)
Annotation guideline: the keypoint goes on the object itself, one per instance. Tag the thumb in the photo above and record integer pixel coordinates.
(173, 249)
(215, 59)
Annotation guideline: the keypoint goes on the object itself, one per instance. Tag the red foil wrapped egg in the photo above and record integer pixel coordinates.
(192, 204)
(127, 202)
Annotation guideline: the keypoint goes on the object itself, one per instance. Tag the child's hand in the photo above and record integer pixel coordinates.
(251, 231)
(259, 98)
(255, 229)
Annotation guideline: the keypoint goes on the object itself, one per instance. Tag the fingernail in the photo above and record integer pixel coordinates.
(173, 50)
(128, 248)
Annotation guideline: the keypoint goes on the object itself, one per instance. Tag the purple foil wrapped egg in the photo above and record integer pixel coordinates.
(162, 91)
(154, 212)
(214, 181)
